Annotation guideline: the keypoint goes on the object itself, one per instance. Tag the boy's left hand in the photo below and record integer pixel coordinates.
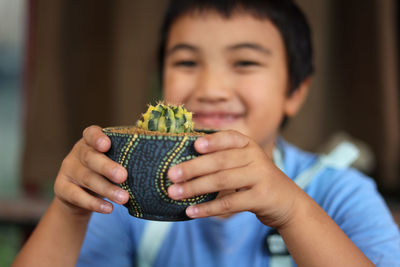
(241, 171)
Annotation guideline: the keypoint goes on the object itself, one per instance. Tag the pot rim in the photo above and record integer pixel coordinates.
(132, 130)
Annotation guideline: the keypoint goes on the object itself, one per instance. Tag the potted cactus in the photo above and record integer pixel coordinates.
(162, 138)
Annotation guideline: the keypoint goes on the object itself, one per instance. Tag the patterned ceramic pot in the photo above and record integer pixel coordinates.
(147, 156)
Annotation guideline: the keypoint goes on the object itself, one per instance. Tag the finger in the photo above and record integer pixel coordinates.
(94, 137)
(74, 195)
(207, 164)
(99, 185)
(232, 203)
(232, 179)
(220, 141)
(101, 164)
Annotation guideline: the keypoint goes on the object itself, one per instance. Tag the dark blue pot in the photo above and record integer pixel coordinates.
(147, 156)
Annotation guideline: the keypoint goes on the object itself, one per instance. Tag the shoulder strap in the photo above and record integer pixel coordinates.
(150, 243)
(341, 157)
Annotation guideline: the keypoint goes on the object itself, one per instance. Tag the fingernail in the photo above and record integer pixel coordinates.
(117, 173)
(106, 207)
(202, 143)
(192, 211)
(119, 195)
(176, 191)
(175, 174)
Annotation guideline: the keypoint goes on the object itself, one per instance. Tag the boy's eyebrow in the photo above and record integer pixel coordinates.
(182, 46)
(250, 46)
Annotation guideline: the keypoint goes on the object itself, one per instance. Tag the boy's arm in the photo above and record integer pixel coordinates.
(353, 202)
(314, 239)
(86, 177)
(56, 240)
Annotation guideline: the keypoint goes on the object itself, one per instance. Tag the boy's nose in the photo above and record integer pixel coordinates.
(212, 87)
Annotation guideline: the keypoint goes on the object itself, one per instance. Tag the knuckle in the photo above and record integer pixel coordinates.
(184, 170)
(237, 138)
(222, 181)
(74, 197)
(89, 129)
(241, 140)
(110, 193)
(234, 133)
(231, 132)
(220, 161)
(85, 131)
(77, 146)
(95, 204)
(85, 156)
(225, 204)
(65, 163)
(56, 188)
(187, 191)
(90, 133)
(255, 152)
(86, 179)
(261, 193)
(107, 169)
(263, 167)
(206, 210)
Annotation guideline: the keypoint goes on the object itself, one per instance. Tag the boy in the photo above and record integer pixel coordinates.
(242, 67)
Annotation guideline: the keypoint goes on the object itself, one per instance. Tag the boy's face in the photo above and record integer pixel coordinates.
(232, 73)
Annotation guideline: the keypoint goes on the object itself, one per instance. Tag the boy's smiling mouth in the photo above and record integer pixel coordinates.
(216, 119)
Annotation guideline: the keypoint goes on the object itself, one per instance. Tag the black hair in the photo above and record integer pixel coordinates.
(284, 14)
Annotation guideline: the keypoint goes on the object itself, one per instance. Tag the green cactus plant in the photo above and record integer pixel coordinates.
(162, 138)
(166, 119)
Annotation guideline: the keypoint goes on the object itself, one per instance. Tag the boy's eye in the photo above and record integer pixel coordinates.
(185, 63)
(246, 63)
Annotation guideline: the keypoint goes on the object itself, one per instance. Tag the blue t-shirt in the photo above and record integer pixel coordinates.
(349, 197)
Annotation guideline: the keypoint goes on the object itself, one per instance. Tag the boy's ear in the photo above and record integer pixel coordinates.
(296, 99)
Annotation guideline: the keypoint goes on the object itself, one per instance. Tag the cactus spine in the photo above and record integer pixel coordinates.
(166, 119)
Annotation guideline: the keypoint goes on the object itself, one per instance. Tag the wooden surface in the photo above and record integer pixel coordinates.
(25, 211)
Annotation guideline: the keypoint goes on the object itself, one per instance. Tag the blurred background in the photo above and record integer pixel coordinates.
(65, 65)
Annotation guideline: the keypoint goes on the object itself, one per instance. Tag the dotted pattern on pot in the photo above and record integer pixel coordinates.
(147, 159)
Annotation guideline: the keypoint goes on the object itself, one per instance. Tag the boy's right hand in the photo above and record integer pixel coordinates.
(86, 176)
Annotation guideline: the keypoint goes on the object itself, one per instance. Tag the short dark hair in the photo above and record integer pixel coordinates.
(284, 14)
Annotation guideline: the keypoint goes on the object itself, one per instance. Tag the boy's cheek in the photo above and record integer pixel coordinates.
(177, 87)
